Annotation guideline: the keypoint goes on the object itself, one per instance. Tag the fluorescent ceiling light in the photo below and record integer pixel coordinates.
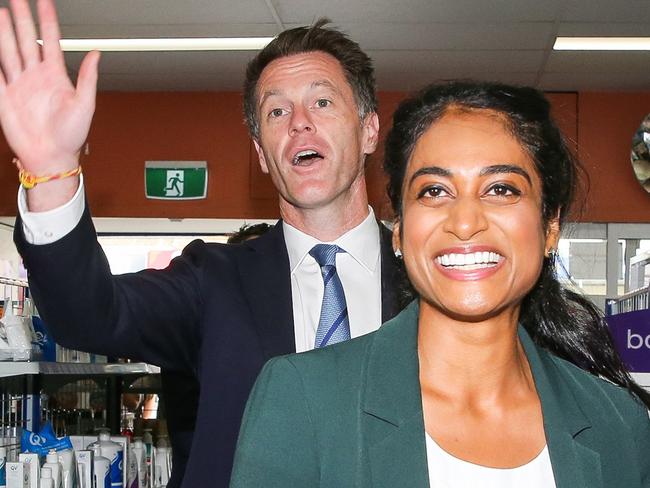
(602, 44)
(178, 44)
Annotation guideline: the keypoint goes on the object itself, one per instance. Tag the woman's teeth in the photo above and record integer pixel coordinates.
(474, 260)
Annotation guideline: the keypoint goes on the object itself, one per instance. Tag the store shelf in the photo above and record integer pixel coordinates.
(74, 369)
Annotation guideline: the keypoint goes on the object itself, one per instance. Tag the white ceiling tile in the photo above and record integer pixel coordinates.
(452, 61)
(412, 42)
(178, 61)
(590, 29)
(162, 11)
(298, 11)
(607, 11)
(456, 36)
(168, 30)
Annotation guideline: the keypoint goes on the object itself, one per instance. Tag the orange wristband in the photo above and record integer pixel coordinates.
(29, 180)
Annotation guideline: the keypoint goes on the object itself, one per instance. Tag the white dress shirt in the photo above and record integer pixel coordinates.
(48, 227)
(359, 268)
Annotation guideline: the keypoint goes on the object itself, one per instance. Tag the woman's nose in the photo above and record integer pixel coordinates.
(466, 218)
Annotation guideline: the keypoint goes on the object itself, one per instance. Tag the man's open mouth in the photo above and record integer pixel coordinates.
(306, 157)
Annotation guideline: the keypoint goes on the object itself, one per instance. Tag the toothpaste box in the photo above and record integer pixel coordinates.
(17, 475)
(32, 464)
(84, 468)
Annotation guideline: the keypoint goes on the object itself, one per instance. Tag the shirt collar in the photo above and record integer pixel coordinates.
(361, 242)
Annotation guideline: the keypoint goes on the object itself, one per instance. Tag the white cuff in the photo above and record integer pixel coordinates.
(50, 226)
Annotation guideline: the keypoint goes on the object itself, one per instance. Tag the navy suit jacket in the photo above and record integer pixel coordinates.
(219, 311)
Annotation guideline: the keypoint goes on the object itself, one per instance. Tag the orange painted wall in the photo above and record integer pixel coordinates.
(130, 128)
(607, 123)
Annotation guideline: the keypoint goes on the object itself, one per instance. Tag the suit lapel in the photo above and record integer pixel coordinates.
(266, 282)
(575, 465)
(391, 276)
(392, 423)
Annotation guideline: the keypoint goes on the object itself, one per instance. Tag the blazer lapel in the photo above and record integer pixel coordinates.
(266, 281)
(391, 276)
(575, 465)
(392, 422)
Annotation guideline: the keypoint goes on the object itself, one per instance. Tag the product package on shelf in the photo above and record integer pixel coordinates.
(15, 334)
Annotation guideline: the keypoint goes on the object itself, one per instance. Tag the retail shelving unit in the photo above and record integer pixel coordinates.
(25, 386)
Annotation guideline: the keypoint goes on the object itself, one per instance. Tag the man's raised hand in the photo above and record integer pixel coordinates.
(44, 117)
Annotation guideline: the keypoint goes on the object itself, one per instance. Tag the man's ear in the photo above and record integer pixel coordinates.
(371, 133)
(552, 235)
(397, 240)
(260, 157)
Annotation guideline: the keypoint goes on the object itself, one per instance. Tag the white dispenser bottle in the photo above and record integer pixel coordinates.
(52, 462)
(46, 478)
(114, 452)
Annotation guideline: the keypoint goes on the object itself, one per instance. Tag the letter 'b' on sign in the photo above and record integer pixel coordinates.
(176, 180)
(631, 334)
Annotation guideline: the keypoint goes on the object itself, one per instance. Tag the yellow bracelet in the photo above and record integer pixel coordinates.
(29, 180)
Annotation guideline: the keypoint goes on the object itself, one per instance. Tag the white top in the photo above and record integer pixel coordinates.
(447, 471)
(359, 267)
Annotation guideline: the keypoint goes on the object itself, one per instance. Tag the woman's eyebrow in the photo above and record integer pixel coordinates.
(488, 170)
(506, 168)
(430, 170)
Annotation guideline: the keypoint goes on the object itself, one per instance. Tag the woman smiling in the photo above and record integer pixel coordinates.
(490, 378)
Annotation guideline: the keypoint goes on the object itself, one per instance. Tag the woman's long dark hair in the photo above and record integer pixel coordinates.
(558, 319)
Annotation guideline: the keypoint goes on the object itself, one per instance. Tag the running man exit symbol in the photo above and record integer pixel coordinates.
(174, 186)
(176, 180)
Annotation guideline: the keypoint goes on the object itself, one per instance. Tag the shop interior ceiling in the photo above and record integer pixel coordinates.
(412, 42)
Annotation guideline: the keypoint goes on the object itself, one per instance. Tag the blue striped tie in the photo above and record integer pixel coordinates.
(334, 325)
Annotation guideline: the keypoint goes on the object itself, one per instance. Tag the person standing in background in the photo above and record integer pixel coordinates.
(324, 273)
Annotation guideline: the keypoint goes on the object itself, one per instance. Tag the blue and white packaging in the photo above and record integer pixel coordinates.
(130, 470)
(42, 442)
(43, 343)
(115, 453)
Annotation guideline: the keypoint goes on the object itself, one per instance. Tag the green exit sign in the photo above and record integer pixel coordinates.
(176, 180)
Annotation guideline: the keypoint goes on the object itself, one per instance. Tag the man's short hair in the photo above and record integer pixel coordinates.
(356, 65)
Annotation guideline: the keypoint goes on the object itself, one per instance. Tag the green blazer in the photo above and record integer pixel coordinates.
(350, 415)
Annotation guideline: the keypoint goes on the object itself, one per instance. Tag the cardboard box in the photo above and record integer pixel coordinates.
(33, 465)
(17, 475)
